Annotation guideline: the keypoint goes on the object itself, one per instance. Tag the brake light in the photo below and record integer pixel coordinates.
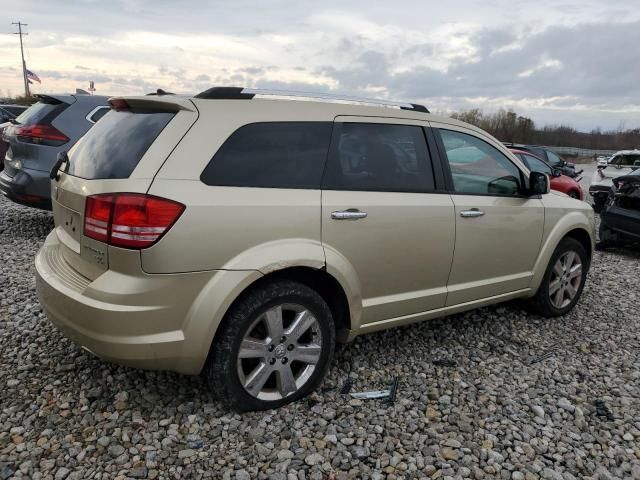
(41, 135)
(119, 104)
(129, 220)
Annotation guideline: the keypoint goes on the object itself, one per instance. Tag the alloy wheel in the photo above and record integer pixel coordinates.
(565, 280)
(279, 352)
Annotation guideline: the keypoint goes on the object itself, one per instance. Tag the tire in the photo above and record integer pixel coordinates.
(574, 194)
(542, 303)
(257, 315)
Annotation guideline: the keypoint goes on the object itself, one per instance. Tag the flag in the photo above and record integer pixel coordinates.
(32, 76)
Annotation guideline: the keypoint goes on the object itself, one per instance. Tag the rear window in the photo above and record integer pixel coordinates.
(115, 145)
(272, 155)
(15, 111)
(41, 113)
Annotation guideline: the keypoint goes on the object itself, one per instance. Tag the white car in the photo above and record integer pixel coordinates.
(621, 163)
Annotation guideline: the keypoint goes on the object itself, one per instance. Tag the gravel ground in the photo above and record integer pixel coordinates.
(494, 393)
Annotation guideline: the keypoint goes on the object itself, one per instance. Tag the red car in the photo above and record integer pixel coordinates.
(559, 182)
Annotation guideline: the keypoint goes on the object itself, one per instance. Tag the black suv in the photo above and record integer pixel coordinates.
(549, 156)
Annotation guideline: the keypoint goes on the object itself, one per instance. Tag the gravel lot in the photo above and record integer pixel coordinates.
(494, 393)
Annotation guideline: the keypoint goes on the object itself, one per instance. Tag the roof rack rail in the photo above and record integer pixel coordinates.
(239, 93)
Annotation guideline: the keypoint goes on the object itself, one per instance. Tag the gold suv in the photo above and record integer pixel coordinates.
(241, 233)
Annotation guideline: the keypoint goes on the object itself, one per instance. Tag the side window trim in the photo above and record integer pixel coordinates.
(447, 167)
(439, 172)
(339, 121)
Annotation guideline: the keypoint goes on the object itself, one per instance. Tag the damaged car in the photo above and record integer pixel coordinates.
(620, 219)
(621, 163)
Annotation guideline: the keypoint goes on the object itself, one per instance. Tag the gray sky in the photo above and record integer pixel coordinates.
(565, 61)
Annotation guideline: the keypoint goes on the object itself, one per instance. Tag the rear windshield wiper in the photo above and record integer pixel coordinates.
(62, 158)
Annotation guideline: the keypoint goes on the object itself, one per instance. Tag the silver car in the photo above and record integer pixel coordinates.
(621, 163)
(53, 124)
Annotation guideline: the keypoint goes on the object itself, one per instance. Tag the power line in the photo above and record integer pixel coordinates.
(24, 65)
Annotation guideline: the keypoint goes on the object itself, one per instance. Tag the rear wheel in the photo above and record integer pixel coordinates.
(275, 347)
(563, 280)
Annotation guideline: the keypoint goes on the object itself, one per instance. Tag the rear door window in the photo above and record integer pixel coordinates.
(271, 155)
(379, 157)
(115, 145)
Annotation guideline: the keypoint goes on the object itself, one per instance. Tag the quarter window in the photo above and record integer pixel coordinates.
(379, 157)
(275, 155)
(98, 113)
(478, 167)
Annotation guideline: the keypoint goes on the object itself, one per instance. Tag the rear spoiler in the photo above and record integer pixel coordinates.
(155, 103)
(55, 99)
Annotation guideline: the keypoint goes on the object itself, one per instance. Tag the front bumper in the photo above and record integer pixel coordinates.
(139, 320)
(27, 187)
(622, 221)
(599, 193)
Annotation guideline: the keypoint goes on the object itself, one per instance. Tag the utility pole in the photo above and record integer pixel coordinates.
(24, 65)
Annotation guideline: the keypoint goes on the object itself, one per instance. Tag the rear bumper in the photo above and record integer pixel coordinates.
(145, 321)
(27, 187)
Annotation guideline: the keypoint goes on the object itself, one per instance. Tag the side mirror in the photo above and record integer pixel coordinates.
(539, 184)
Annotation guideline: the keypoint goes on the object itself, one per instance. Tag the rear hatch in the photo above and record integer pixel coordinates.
(121, 153)
(32, 136)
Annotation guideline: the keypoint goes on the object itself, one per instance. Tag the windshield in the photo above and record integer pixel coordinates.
(626, 160)
(553, 158)
(536, 165)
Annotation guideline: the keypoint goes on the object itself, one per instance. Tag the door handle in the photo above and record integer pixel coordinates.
(349, 214)
(474, 212)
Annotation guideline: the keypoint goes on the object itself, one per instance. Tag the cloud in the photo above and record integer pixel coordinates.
(546, 58)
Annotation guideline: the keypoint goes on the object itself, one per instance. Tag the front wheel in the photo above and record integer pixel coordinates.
(563, 280)
(274, 347)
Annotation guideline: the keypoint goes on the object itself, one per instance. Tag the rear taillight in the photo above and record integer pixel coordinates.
(129, 220)
(41, 135)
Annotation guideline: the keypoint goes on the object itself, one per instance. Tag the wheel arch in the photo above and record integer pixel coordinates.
(319, 280)
(576, 226)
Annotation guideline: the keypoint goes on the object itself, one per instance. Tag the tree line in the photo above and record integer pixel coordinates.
(508, 126)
